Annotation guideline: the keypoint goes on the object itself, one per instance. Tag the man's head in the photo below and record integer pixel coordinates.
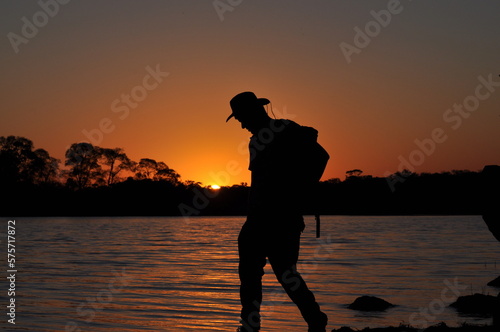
(249, 110)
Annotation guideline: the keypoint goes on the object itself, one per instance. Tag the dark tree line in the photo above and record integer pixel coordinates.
(20, 163)
(93, 166)
(92, 180)
(104, 181)
(87, 166)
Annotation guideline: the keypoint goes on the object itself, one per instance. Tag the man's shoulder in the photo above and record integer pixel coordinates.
(284, 122)
(294, 129)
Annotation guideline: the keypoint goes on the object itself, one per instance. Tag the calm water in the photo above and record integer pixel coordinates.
(166, 274)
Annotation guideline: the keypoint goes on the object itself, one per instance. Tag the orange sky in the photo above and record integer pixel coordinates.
(418, 63)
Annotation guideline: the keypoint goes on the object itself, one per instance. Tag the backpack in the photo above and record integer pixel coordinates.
(311, 157)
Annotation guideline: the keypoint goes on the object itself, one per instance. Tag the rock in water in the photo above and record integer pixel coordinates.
(370, 303)
(476, 304)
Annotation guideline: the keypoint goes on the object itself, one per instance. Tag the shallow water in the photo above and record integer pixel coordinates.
(172, 274)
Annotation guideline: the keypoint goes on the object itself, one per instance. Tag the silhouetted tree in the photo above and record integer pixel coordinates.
(151, 169)
(44, 167)
(19, 163)
(85, 169)
(146, 168)
(192, 184)
(406, 174)
(16, 154)
(163, 172)
(354, 172)
(116, 160)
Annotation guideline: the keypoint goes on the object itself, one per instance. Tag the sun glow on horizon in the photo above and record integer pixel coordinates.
(215, 187)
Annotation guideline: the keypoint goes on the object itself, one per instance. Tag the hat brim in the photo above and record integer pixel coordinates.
(260, 101)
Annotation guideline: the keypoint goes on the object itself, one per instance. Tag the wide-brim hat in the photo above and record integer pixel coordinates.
(245, 102)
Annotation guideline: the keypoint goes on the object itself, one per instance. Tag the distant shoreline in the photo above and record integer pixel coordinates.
(436, 194)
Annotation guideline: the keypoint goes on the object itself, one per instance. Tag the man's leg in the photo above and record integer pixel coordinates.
(251, 270)
(283, 258)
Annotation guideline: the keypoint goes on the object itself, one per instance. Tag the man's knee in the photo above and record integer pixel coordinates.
(289, 278)
(250, 274)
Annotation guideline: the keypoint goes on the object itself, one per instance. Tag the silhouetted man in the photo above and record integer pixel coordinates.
(491, 215)
(274, 223)
(491, 197)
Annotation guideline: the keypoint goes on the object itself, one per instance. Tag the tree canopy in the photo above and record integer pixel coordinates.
(20, 163)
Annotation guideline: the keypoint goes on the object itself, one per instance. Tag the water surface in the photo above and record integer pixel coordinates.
(173, 274)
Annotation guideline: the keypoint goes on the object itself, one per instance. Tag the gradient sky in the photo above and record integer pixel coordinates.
(401, 84)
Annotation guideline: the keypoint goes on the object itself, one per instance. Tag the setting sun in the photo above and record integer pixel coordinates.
(215, 187)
